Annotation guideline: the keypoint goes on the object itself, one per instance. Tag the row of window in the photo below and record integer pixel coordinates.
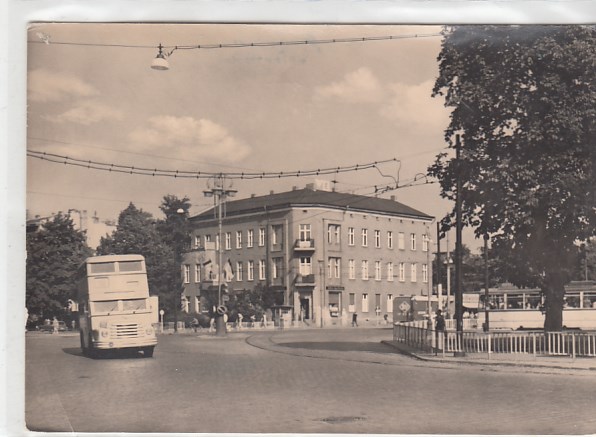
(306, 268)
(305, 234)
(364, 304)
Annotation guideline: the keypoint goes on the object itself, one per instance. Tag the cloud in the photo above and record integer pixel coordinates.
(413, 105)
(87, 113)
(50, 86)
(187, 136)
(358, 86)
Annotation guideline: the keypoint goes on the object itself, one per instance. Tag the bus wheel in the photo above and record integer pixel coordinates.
(148, 351)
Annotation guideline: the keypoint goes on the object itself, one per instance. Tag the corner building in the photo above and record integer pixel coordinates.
(328, 254)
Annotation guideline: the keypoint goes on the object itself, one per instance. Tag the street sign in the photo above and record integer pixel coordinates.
(221, 310)
(161, 312)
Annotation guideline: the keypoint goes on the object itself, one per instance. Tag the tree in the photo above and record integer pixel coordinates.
(137, 233)
(54, 254)
(523, 103)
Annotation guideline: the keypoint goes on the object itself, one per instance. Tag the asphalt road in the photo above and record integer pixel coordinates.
(315, 381)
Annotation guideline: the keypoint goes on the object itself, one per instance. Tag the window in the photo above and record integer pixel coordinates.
(351, 236)
(425, 241)
(425, 273)
(377, 270)
(352, 269)
(390, 239)
(390, 271)
(197, 272)
(207, 239)
(251, 270)
(228, 240)
(389, 303)
(402, 272)
(305, 265)
(239, 271)
(364, 270)
(413, 273)
(401, 245)
(377, 238)
(413, 241)
(304, 232)
(334, 267)
(197, 241)
(352, 303)
(250, 235)
(365, 302)
(276, 234)
(364, 237)
(277, 264)
(217, 242)
(197, 304)
(186, 274)
(261, 270)
(238, 239)
(377, 303)
(261, 237)
(333, 234)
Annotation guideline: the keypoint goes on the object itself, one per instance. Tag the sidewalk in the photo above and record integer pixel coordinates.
(498, 359)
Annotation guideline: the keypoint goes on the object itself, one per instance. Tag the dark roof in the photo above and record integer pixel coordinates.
(309, 198)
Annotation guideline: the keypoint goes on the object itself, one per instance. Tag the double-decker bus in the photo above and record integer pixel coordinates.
(517, 308)
(115, 309)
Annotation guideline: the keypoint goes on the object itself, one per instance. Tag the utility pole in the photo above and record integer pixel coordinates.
(458, 247)
(219, 192)
(486, 306)
(439, 287)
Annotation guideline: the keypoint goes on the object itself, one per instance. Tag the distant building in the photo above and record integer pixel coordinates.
(94, 228)
(328, 254)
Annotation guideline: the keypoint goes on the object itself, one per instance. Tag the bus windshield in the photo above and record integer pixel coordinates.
(119, 306)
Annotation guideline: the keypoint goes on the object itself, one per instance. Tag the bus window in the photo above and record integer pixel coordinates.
(105, 306)
(102, 268)
(130, 266)
(134, 304)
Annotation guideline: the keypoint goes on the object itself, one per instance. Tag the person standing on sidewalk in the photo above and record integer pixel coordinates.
(354, 320)
(439, 330)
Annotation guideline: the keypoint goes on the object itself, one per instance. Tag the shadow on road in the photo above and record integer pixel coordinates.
(341, 346)
(103, 355)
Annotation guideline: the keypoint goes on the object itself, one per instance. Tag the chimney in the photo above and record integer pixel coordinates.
(271, 192)
(294, 188)
(252, 195)
(393, 197)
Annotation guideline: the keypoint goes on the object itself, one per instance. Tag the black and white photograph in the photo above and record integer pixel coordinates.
(309, 228)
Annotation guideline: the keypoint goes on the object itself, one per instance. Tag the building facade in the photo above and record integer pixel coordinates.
(330, 255)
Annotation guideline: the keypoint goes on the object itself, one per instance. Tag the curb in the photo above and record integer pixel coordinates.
(484, 363)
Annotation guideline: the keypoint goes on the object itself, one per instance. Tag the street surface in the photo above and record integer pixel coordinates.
(311, 381)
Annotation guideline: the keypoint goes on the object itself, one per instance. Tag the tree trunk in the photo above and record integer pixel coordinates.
(554, 291)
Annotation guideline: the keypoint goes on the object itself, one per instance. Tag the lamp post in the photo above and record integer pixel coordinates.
(180, 215)
(219, 193)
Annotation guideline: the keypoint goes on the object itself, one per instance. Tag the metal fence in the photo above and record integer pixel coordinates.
(417, 334)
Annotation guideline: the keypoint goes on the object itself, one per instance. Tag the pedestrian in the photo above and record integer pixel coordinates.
(195, 324)
(55, 325)
(354, 320)
(385, 319)
(240, 317)
(253, 319)
(212, 325)
(439, 329)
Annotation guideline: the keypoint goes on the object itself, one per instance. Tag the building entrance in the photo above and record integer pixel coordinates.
(305, 308)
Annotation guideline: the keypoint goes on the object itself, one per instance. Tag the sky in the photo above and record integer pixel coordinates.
(92, 96)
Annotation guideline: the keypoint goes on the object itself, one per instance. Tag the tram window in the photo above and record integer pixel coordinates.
(589, 300)
(571, 301)
(533, 302)
(515, 301)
